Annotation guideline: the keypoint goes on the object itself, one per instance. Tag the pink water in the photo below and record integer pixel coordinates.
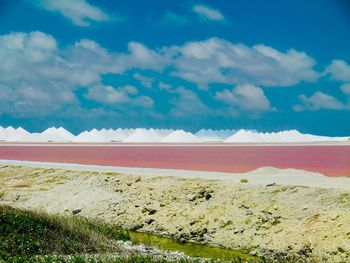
(329, 160)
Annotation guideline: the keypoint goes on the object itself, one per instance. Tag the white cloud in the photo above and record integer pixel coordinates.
(40, 77)
(173, 18)
(187, 104)
(164, 86)
(345, 88)
(118, 96)
(208, 12)
(79, 12)
(246, 98)
(220, 61)
(319, 101)
(339, 70)
(145, 81)
(144, 58)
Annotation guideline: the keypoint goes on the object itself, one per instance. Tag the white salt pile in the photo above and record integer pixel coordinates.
(180, 136)
(59, 133)
(141, 135)
(243, 136)
(213, 135)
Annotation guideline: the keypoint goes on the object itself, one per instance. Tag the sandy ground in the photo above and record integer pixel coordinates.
(261, 176)
(278, 213)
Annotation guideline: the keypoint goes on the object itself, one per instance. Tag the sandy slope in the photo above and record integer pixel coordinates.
(276, 220)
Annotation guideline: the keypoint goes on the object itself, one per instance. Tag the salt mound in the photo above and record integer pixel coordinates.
(117, 135)
(213, 135)
(180, 136)
(90, 136)
(11, 133)
(30, 137)
(58, 134)
(244, 136)
(290, 136)
(144, 135)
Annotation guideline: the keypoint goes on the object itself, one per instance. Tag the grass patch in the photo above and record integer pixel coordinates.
(243, 180)
(25, 234)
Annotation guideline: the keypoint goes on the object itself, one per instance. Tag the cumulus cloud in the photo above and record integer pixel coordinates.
(79, 12)
(164, 86)
(145, 81)
(118, 96)
(34, 63)
(339, 70)
(207, 12)
(187, 103)
(246, 98)
(37, 72)
(220, 61)
(345, 88)
(319, 101)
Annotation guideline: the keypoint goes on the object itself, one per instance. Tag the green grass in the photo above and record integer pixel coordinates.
(26, 234)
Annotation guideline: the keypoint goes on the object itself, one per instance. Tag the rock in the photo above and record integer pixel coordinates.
(121, 212)
(334, 216)
(341, 250)
(138, 179)
(149, 221)
(191, 197)
(208, 196)
(76, 211)
(152, 211)
(136, 227)
(182, 240)
(202, 232)
(249, 213)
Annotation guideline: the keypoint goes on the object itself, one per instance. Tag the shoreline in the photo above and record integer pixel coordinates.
(260, 176)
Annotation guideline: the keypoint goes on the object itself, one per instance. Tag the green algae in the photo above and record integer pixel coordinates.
(189, 248)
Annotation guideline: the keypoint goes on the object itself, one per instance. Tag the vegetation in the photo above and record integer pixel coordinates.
(27, 236)
(243, 180)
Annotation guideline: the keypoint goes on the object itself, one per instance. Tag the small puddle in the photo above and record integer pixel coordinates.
(189, 248)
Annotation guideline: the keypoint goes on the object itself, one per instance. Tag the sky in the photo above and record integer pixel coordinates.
(251, 64)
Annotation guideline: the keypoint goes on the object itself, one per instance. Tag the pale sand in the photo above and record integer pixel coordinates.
(273, 220)
(261, 176)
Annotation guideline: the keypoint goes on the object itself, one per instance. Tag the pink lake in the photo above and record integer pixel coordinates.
(328, 160)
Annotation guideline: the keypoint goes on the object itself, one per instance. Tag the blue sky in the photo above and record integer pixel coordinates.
(265, 65)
